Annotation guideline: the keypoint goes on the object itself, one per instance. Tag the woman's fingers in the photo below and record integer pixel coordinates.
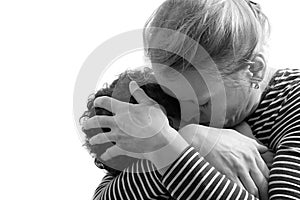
(238, 182)
(248, 183)
(139, 94)
(262, 166)
(100, 121)
(261, 183)
(112, 152)
(261, 148)
(102, 138)
(111, 104)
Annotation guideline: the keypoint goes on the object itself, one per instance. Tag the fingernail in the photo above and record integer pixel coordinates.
(84, 125)
(92, 141)
(134, 85)
(105, 157)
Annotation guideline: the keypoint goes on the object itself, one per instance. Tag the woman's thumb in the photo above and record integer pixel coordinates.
(139, 94)
(261, 148)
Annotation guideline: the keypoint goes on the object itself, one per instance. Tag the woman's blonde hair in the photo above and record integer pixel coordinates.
(230, 31)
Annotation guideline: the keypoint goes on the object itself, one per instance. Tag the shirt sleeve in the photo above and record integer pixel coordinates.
(140, 181)
(284, 182)
(190, 177)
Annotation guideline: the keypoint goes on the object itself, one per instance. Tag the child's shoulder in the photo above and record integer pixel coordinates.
(283, 92)
(284, 85)
(281, 84)
(285, 79)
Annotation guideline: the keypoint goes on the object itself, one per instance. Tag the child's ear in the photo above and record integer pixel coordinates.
(258, 67)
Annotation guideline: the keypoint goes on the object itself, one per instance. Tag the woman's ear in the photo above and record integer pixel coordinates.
(258, 67)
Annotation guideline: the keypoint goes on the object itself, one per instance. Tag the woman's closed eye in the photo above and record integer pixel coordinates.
(205, 105)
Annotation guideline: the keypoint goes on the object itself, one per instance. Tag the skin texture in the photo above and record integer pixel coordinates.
(211, 26)
(119, 90)
(240, 99)
(245, 164)
(155, 140)
(166, 145)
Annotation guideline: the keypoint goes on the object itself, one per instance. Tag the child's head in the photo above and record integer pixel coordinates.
(119, 90)
(233, 35)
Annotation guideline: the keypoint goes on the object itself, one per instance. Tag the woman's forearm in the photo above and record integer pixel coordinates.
(191, 177)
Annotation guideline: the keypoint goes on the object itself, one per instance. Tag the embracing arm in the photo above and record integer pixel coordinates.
(189, 177)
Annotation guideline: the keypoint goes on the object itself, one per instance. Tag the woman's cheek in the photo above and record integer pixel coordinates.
(233, 112)
(240, 110)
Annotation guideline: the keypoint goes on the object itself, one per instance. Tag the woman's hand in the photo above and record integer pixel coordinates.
(234, 155)
(245, 129)
(139, 130)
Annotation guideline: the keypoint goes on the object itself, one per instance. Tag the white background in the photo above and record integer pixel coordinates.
(42, 47)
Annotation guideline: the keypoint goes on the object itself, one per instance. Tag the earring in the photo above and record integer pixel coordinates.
(255, 83)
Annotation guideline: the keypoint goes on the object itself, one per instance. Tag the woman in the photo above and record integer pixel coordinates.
(233, 34)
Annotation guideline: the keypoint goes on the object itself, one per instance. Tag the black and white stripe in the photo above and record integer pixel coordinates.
(276, 123)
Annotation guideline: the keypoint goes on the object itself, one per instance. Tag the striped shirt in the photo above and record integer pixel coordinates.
(276, 123)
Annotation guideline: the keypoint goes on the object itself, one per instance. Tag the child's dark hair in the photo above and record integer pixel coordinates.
(119, 90)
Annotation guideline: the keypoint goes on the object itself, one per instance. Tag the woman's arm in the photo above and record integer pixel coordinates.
(225, 150)
(189, 177)
(192, 177)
